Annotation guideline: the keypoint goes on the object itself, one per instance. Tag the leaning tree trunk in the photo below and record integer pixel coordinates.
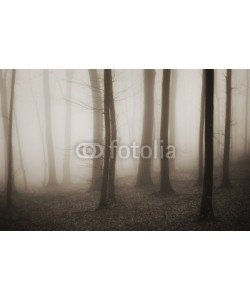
(201, 132)
(225, 177)
(97, 127)
(111, 187)
(206, 212)
(173, 93)
(144, 170)
(165, 186)
(68, 127)
(48, 131)
(104, 201)
(10, 174)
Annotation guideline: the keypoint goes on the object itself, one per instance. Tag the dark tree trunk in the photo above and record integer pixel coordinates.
(201, 131)
(144, 170)
(48, 132)
(173, 94)
(67, 134)
(10, 174)
(165, 186)
(5, 118)
(104, 200)
(97, 127)
(225, 177)
(111, 187)
(246, 117)
(206, 212)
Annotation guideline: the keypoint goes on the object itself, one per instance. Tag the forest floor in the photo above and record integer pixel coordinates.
(135, 208)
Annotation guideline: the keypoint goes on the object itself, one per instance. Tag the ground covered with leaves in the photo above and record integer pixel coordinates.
(135, 208)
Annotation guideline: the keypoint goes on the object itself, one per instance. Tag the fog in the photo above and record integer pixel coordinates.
(128, 96)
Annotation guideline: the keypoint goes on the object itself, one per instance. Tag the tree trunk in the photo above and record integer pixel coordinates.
(48, 132)
(4, 109)
(40, 131)
(68, 127)
(173, 93)
(10, 174)
(104, 201)
(165, 186)
(111, 188)
(206, 212)
(225, 177)
(201, 132)
(246, 117)
(144, 170)
(20, 154)
(97, 127)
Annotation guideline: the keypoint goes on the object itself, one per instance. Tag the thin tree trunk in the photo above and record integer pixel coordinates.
(20, 154)
(4, 109)
(201, 132)
(246, 117)
(173, 93)
(111, 187)
(165, 186)
(206, 212)
(68, 127)
(41, 133)
(48, 131)
(104, 201)
(97, 127)
(10, 147)
(226, 158)
(144, 170)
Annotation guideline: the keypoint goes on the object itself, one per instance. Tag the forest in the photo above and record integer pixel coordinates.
(124, 149)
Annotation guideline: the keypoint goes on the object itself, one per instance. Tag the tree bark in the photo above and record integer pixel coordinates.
(104, 201)
(4, 109)
(67, 133)
(165, 186)
(246, 117)
(206, 211)
(97, 128)
(111, 188)
(144, 170)
(225, 177)
(48, 131)
(10, 174)
(201, 131)
(173, 94)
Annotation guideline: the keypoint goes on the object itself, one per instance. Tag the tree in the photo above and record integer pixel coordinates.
(144, 170)
(246, 117)
(67, 133)
(206, 211)
(104, 200)
(48, 131)
(97, 127)
(201, 131)
(10, 147)
(20, 154)
(165, 186)
(173, 93)
(111, 187)
(5, 118)
(225, 177)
